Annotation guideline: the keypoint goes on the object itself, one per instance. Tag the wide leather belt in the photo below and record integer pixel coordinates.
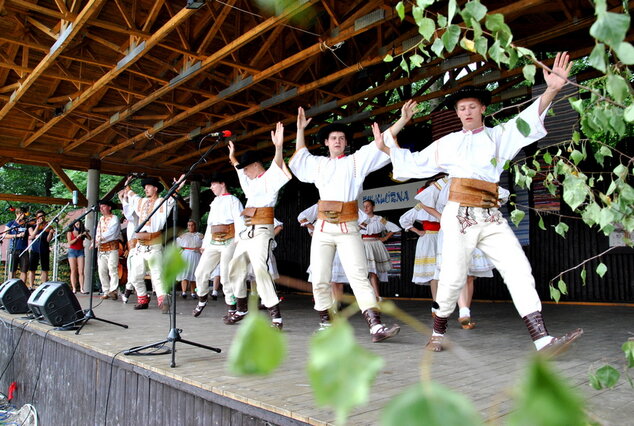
(132, 243)
(473, 193)
(149, 238)
(222, 232)
(258, 215)
(337, 211)
(109, 246)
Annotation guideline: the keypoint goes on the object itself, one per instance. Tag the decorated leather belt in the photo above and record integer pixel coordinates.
(149, 238)
(370, 236)
(132, 243)
(473, 193)
(430, 226)
(222, 232)
(190, 248)
(258, 215)
(337, 211)
(109, 246)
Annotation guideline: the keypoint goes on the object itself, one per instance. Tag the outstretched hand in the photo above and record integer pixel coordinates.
(277, 135)
(302, 121)
(181, 181)
(408, 110)
(378, 138)
(558, 76)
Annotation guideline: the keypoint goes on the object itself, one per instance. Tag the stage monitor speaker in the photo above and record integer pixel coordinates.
(14, 296)
(55, 303)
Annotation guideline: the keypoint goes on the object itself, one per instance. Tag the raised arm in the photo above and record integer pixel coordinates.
(302, 122)
(555, 79)
(277, 137)
(407, 112)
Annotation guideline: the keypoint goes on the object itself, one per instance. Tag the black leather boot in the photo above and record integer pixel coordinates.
(373, 318)
(275, 313)
(537, 329)
(202, 302)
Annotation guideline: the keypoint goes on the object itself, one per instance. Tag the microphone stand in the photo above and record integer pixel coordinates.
(174, 334)
(89, 313)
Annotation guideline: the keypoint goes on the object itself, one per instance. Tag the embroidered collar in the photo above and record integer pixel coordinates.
(260, 175)
(474, 131)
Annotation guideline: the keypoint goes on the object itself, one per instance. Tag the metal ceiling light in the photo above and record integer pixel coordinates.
(195, 4)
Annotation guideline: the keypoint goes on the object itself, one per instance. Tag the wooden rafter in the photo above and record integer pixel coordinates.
(68, 183)
(32, 199)
(92, 7)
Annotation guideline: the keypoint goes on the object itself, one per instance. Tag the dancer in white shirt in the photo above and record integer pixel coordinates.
(107, 240)
(190, 242)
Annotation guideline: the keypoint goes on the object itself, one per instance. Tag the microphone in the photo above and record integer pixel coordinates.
(11, 208)
(220, 134)
(138, 174)
(75, 197)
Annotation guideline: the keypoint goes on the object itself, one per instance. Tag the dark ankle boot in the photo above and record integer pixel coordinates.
(142, 302)
(274, 312)
(373, 318)
(324, 320)
(434, 344)
(537, 329)
(202, 302)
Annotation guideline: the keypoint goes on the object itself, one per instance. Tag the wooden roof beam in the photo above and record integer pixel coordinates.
(92, 7)
(218, 21)
(123, 64)
(129, 21)
(152, 15)
(32, 199)
(204, 65)
(68, 183)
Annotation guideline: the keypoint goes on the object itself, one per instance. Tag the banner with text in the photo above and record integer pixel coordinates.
(393, 197)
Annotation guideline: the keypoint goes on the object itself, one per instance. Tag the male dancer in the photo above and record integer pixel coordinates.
(223, 223)
(471, 218)
(107, 240)
(260, 187)
(150, 241)
(133, 222)
(339, 179)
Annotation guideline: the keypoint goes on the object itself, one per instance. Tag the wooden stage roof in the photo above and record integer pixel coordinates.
(126, 85)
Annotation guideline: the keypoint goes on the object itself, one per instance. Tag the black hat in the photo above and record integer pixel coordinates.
(215, 177)
(152, 181)
(481, 94)
(107, 203)
(325, 131)
(247, 158)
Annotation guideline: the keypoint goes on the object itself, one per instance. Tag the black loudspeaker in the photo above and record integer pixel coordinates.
(14, 296)
(55, 303)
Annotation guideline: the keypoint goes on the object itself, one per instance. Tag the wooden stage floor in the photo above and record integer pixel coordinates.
(488, 365)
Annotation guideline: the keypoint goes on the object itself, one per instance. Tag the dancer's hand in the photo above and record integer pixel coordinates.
(557, 78)
(302, 121)
(408, 110)
(277, 135)
(232, 154)
(378, 139)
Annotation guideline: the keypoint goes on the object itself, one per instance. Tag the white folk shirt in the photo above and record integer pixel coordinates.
(415, 214)
(143, 207)
(223, 210)
(338, 179)
(262, 191)
(431, 196)
(133, 219)
(190, 240)
(378, 224)
(109, 229)
(470, 154)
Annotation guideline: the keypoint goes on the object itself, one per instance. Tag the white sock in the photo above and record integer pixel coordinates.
(464, 312)
(437, 334)
(434, 310)
(202, 303)
(277, 320)
(242, 313)
(214, 293)
(375, 328)
(543, 341)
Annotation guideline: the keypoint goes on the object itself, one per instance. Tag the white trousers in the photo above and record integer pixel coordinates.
(214, 254)
(464, 229)
(346, 240)
(152, 257)
(108, 263)
(254, 246)
(131, 253)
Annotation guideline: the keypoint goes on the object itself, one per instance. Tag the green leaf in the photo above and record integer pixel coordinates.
(501, 31)
(576, 104)
(628, 350)
(617, 87)
(620, 171)
(597, 58)
(475, 10)
(523, 126)
(516, 216)
(257, 348)
(451, 10)
(494, 161)
(604, 151)
(608, 376)
(426, 28)
(576, 156)
(594, 382)
(437, 47)
(541, 224)
(561, 285)
(524, 52)
(575, 191)
(482, 45)
(400, 9)
(418, 13)
(625, 52)
(576, 137)
(477, 29)
(561, 229)
(404, 66)
(584, 275)
(388, 58)
(529, 73)
(467, 44)
(610, 28)
(601, 269)
(442, 20)
(416, 60)
(451, 37)
(548, 159)
(340, 371)
(591, 214)
(172, 264)
(617, 123)
(545, 399)
(436, 404)
(628, 114)
(554, 294)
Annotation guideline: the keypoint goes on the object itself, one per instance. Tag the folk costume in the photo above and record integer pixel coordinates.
(471, 218)
(190, 244)
(339, 182)
(255, 239)
(376, 253)
(108, 237)
(133, 222)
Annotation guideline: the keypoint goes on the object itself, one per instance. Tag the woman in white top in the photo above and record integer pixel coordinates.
(190, 242)
(375, 231)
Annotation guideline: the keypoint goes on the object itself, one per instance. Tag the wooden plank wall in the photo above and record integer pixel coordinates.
(69, 385)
